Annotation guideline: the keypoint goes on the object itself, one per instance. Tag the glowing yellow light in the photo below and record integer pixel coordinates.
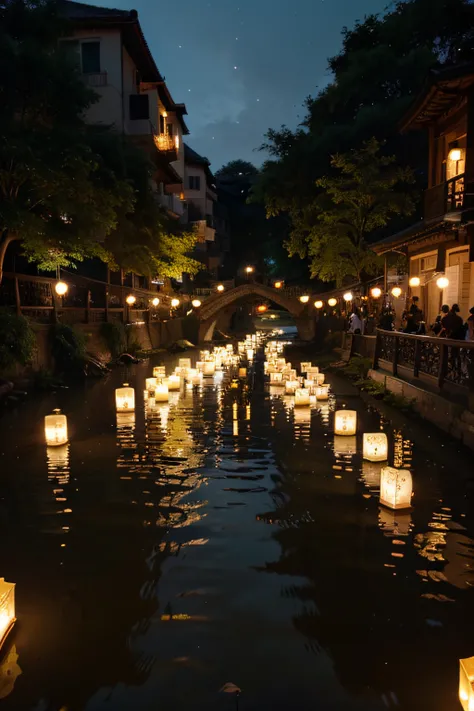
(396, 292)
(174, 382)
(278, 284)
(319, 304)
(196, 303)
(61, 288)
(242, 372)
(376, 293)
(415, 281)
(466, 683)
(345, 422)
(176, 142)
(55, 429)
(262, 308)
(161, 392)
(455, 155)
(175, 303)
(165, 114)
(125, 399)
(220, 288)
(156, 301)
(7, 608)
(332, 302)
(304, 299)
(159, 371)
(302, 397)
(375, 447)
(130, 300)
(348, 296)
(442, 282)
(395, 488)
(249, 270)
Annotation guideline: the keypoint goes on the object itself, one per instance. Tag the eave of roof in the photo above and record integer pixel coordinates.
(415, 233)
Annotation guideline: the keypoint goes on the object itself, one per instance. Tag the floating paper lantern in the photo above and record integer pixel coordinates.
(466, 683)
(345, 445)
(55, 429)
(276, 379)
(159, 371)
(291, 386)
(312, 371)
(174, 383)
(332, 302)
(322, 392)
(184, 363)
(375, 447)
(242, 372)
(302, 397)
(7, 608)
(209, 367)
(161, 392)
(345, 422)
(250, 353)
(304, 367)
(396, 488)
(125, 399)
(319, 378)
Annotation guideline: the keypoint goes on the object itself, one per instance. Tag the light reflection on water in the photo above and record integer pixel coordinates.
(230, 537)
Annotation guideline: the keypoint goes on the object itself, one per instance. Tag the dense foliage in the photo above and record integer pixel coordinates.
(17, 340)
(382, 66)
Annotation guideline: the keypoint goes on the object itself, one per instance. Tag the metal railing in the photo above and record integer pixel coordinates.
(443, 361)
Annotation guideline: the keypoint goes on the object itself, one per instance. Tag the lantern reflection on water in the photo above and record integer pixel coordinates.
(393, 524)
(466, 683)
(345, 422)
(125, 399)
(55, 429)
(302, 397)
(7, 608)
(345, 445)
(375, 447)
(395, 488)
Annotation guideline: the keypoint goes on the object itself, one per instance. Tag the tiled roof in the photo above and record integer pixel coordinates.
(76, 10)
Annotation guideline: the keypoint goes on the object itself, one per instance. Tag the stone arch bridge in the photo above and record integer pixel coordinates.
(214, 305)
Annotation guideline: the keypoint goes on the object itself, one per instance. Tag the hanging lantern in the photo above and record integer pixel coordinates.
(161, 393)
(302, 397)
(175, 303)
(442, 282)
(345, 445)
(61, 288)
(242, 372)
(55, 429)
(348, 296)
(345, 422)
(396, 292)
(155, 302)
(376, 292)
(220, 288)
(304, 299)
(332, 302)
(7, 609)
(396, 488)
(278, 284)
(375, 447)
(319, 304)
(130, 299)
(174, 383)
(125, 399)
(159, 371)
(150, 384)
(195, 303)
(466, 683)
(415, 281)
(322, 392)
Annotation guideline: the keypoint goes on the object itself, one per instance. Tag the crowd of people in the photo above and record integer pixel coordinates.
(448, 324)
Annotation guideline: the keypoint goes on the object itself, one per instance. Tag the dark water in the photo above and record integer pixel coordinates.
(222, 541)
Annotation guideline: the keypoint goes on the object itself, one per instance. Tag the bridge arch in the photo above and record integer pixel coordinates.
(214, 305)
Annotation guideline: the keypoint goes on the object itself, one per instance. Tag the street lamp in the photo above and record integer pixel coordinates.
(376, 293)
(174, 303)
(195, 303)
(304, 299)
(156, 301)
(220, 288)
(332, 302)
(348, 296)
(319, 304)
(249, 270)
(130, 299)
(61, 288)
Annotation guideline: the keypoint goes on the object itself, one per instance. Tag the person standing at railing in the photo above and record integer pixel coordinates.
(453, 325)
(437, 327)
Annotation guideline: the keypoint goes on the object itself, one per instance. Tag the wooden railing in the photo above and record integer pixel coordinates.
(444, 198)
(443, 361)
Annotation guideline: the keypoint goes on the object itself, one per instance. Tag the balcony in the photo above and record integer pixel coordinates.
(445, 200)
(172, 203)
(95, 79)
(166, 143)
(204, 232)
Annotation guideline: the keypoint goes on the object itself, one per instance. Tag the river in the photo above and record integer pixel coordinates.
(227, 539)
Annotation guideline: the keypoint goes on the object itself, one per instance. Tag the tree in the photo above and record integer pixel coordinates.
(367, 192)
(56, 194)
(237, 169)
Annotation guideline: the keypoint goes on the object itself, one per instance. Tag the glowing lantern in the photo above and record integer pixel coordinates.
(184, 363)
(130, 300)
(376, 292)
(209, 367)
(304, 367)
(7, 608)
(345, 445)
(125, 399)
(442, 283)
(250, 353)
(319, 304)
(175, 303)
(455, 154)
(61, 288)
(395, 488)
(195, 303)
(291, 386)
(161, 393)
(242, 372)
(332, 302)
(174, 382)
(345, 422)
(156, 301)
(466, 683)
(348, 296)
(319, 378)
(302, 397)
(278, 284)
(150, 384)
(276, 379)
(375, 447)
(262, 308)
(220, 288)
(322, 392)
(230, 348)
(55, 429)
(396, 292)
(312, 371)
(159, 371)
(304, 299)
(415, 281)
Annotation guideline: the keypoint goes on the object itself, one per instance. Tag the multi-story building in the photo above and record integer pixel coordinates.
(440, 248)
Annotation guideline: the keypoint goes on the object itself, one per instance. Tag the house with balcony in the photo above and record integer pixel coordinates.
(440, 247)
(116, 62)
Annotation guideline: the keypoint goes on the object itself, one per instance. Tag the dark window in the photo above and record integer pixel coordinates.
(162, 124)
(169, 129)
(139, 107)
(194, 182)
(90, 57)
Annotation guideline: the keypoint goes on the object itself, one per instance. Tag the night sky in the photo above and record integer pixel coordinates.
(242, 66)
